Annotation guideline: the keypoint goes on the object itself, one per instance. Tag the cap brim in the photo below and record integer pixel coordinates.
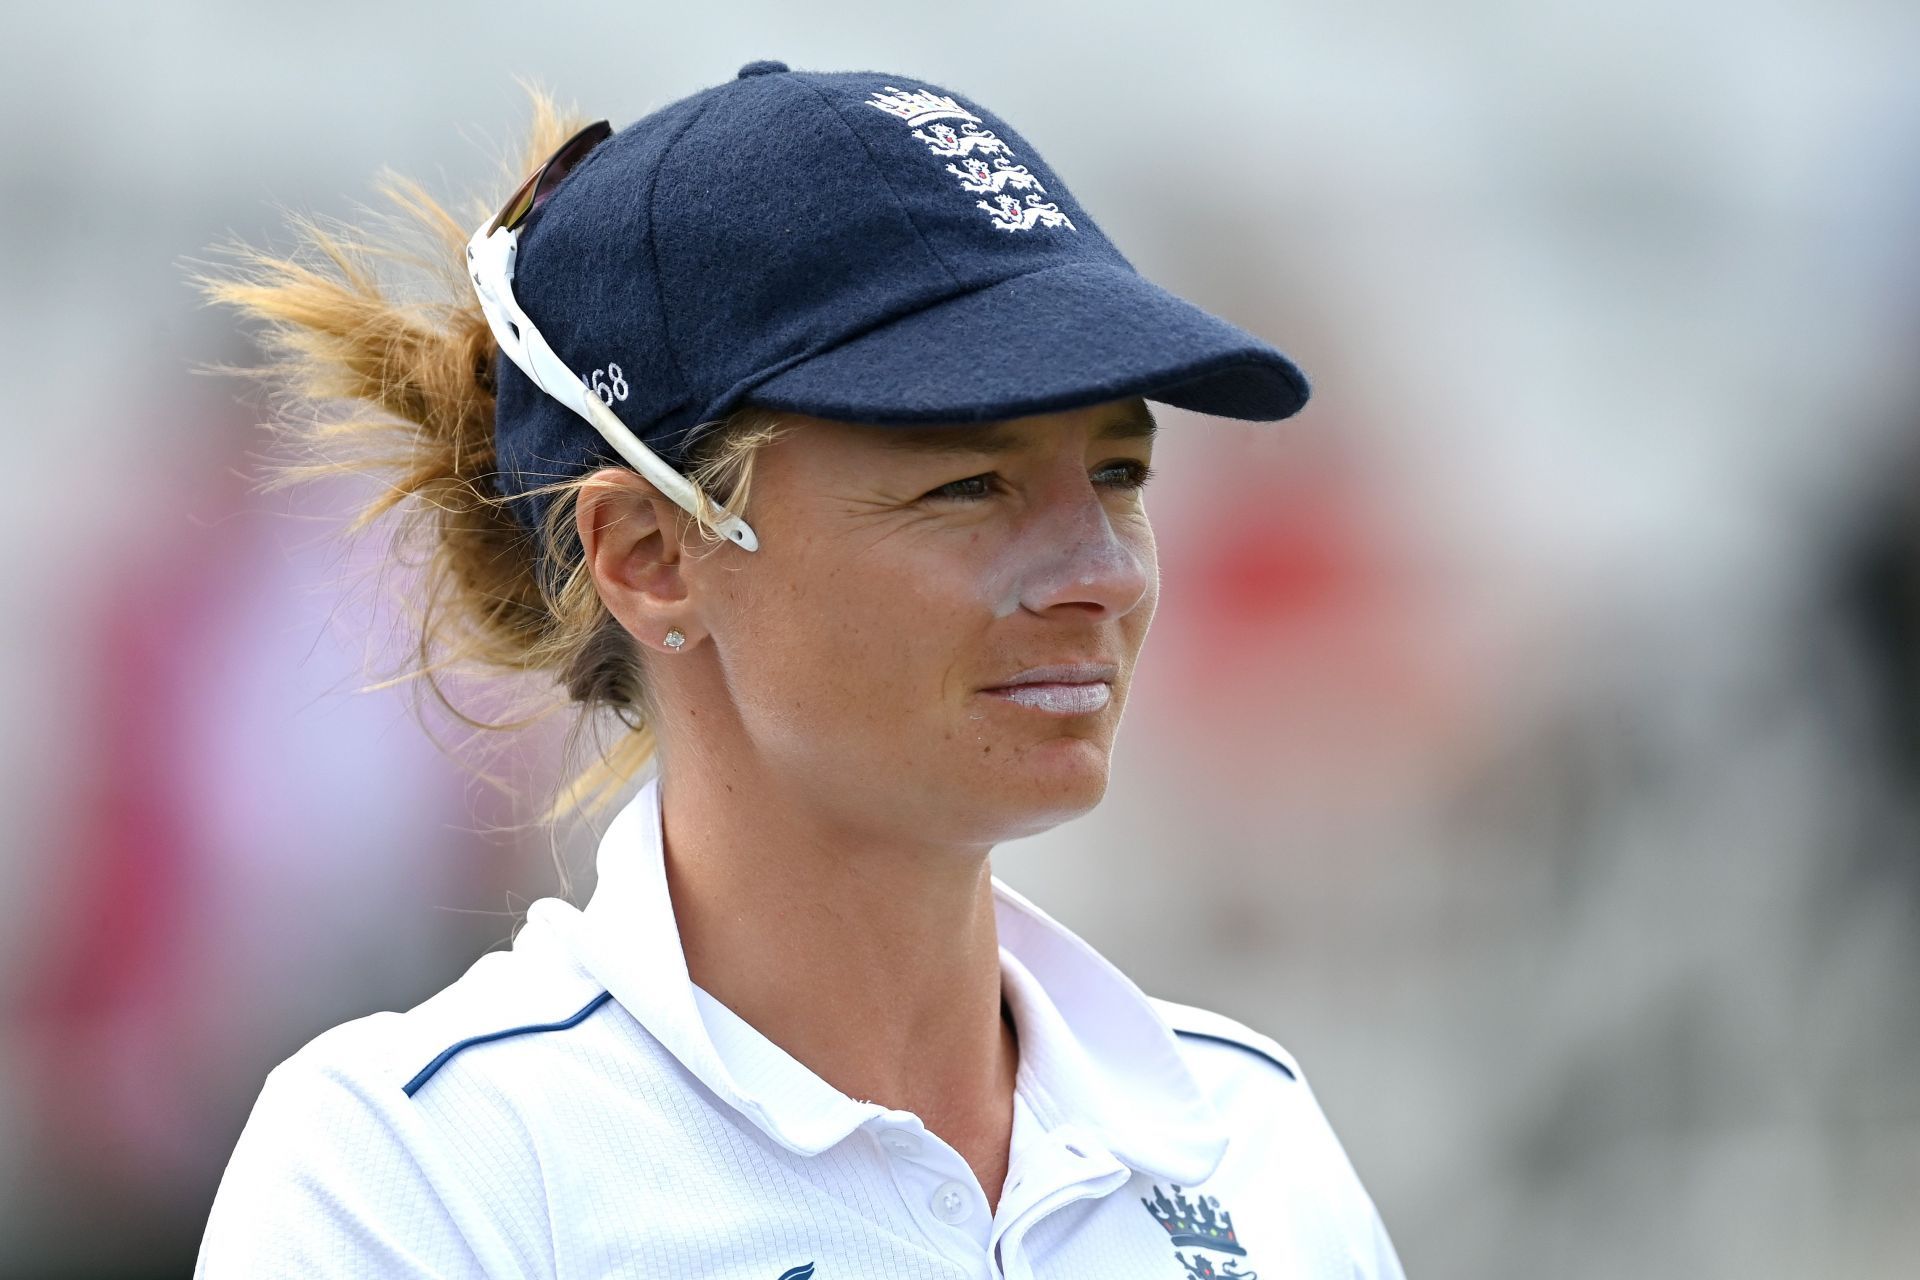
(1048, 341)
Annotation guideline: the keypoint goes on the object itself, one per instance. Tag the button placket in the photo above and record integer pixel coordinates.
(1060, 1170)
(937, 1186)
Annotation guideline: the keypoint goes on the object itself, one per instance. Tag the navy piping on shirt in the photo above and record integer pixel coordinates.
(441, 1059)
(1238, 1044)
(412, 1086)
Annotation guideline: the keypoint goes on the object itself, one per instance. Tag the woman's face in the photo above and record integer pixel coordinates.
(903, 575)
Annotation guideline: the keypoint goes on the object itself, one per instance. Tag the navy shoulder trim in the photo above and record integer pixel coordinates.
(1238, 1044)
(1204, 1024)
(440, 1060)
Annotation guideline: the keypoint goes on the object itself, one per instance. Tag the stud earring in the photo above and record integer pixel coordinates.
(675, 639)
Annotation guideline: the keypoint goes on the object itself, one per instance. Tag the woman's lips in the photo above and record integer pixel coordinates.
(1058, 699)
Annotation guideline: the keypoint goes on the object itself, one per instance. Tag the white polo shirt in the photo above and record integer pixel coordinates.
(576, 1107)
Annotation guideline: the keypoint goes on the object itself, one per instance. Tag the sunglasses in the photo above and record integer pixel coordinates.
(540, 183)
(490, 259)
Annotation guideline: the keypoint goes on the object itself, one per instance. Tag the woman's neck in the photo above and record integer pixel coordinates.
(872, 961)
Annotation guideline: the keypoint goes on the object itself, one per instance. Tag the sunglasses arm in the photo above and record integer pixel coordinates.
(490, 265)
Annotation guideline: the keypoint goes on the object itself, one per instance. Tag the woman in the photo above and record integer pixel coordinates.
(799, 1029)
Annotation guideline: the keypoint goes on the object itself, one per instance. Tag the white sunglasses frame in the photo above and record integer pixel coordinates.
(490, 258)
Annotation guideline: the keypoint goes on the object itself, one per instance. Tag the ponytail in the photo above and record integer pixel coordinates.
(366, 383)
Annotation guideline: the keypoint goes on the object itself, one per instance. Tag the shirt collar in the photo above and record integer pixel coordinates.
(1094, 1053)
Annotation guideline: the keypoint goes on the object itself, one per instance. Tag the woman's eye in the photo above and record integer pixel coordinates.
(1132, 475)
(960, 491)
(1137, 474)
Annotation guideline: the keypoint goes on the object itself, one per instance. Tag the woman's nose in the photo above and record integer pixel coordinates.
(1087, 553)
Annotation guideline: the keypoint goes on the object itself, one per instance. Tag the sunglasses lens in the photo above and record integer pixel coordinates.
(540, 184)
(517, 206)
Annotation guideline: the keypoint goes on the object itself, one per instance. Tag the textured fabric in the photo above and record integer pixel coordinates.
(636, 1127)
(852, 244)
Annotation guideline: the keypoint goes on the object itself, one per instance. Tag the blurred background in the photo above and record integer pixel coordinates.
(1528, 738)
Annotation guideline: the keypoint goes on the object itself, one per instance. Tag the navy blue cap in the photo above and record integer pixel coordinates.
(855, 245)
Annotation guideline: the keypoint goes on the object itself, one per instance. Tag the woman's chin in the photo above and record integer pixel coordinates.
(1062, 776)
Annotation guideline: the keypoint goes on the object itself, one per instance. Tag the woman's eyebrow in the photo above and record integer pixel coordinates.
(997, 440)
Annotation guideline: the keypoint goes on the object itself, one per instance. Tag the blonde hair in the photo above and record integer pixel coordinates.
(365, 382)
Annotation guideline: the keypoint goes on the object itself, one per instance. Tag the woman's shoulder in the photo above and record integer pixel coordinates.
(1251, 1077)
(1258, 1087)
(1261, 1091)
(399, 1142)
(505, 998)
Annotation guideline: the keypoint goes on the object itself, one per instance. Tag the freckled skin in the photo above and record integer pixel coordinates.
(843, 659)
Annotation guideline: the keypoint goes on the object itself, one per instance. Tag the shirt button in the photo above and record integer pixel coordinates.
(950, 1203)
(899, 1141)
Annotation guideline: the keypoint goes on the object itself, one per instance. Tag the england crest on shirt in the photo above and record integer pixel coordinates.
(1199, 1224)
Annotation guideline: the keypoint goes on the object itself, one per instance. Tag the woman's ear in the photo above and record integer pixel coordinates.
(630, 539)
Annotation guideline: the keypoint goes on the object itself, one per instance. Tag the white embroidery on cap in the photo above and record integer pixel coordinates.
(976, 176)
(608, 383)
(919, 106)
(980, 177)
(943, 141)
